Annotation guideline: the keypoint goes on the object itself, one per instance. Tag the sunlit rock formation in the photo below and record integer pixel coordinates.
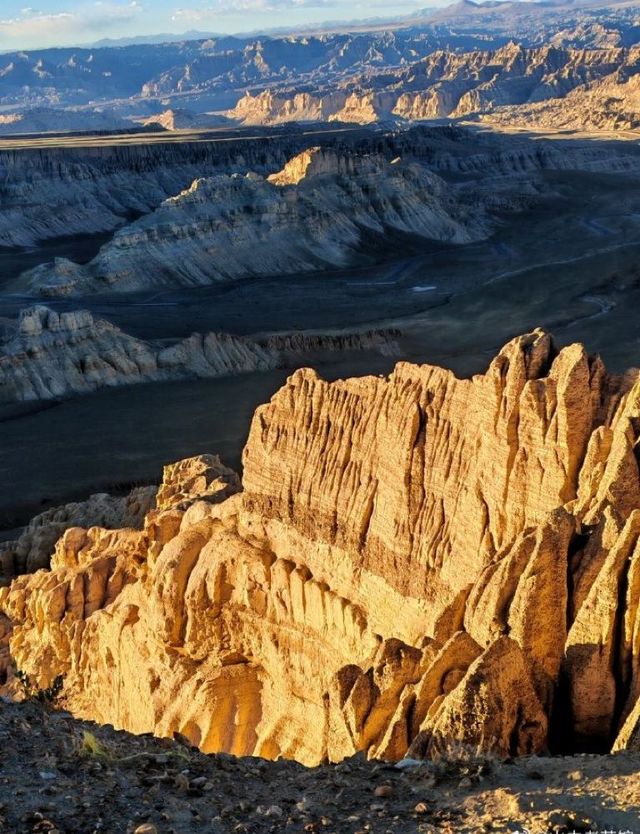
(181, 119)
(515, 79)
(610, 104)
(413, 562)
(33, 548)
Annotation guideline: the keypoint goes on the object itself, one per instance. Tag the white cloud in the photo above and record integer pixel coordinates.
(234, 7)
(219, 8)
(34, 28)
(82, 21)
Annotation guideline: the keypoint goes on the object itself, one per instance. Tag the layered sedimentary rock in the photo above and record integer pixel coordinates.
(414, 563)
(610, 104)
(46, 193)
(61, 354)
(56, 355)
(454, 84)
(182, 481)
(212, 231)
(210, 72)
(96, 188)
(33, 548)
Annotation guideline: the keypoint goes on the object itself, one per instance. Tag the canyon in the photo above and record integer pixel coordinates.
(310, 216)
(191, 214)
(217, 66)
(98, 187)
(358, 302)
(466, 61)
(402, 553)
(306, 519)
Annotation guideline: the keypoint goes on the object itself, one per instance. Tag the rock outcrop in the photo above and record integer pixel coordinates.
(314, 220)
(62, 354)
(182, 482)
(96, 187)
(514, 80)
(209, 73)
(52, 192)
(184, 120)
(417, 562)
(56, 355)
(610, 104)
(33, 548)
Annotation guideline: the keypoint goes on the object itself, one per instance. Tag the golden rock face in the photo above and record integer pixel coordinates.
(412, 562)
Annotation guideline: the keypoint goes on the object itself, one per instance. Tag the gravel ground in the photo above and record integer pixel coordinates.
(58, 774)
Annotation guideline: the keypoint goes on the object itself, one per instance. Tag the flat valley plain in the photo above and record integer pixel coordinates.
(569, 262)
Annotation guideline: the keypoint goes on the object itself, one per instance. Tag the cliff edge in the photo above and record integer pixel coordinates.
(413, 564)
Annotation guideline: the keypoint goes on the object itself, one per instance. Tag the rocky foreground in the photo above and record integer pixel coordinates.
(62, 775)
(410, 565)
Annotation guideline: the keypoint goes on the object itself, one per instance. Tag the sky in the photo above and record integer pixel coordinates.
(63, 22)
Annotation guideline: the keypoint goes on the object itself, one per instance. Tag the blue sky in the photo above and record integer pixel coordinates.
(59, 22)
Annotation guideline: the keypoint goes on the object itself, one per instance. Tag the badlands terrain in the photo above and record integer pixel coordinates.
(307, 522)
(471, 543)
(481, 61)
(504, 84)
(129, 259)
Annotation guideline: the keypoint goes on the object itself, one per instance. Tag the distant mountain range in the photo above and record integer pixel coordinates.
(198, 73)
(510, 83)
(138, 40)
(464, 10)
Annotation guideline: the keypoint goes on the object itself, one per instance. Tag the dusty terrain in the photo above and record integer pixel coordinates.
(430, 579)
(453, 305)
(55, 777)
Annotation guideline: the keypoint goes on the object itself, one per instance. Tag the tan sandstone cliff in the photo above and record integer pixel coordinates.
(543, 86)
(413, 562)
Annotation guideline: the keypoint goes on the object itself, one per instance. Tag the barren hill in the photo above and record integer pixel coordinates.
(212, 230)
(449, 84)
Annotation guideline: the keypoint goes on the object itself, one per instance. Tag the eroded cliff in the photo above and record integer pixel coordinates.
(56, 355)
(447, 84)
(212, 230)
(413, 563)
